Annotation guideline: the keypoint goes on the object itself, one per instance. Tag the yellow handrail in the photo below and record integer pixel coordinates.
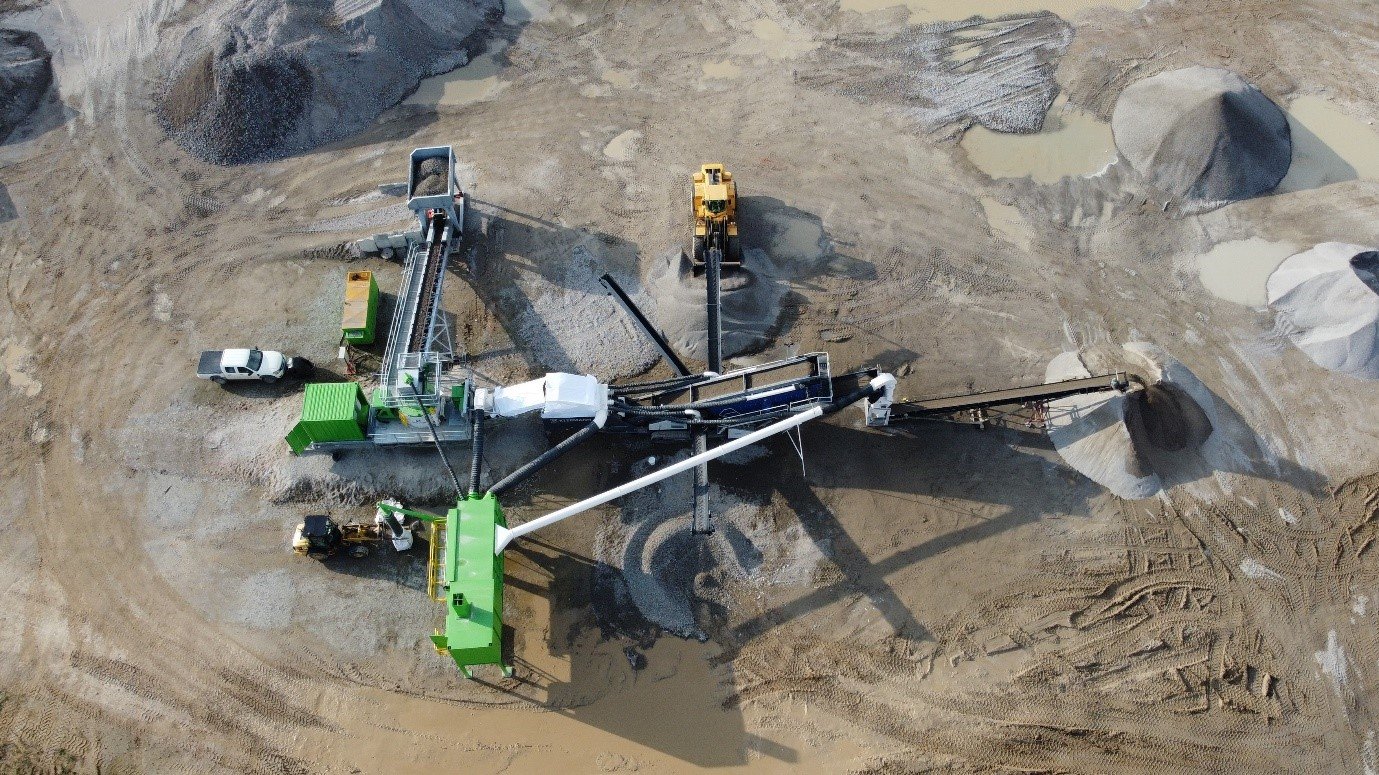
(433, 560)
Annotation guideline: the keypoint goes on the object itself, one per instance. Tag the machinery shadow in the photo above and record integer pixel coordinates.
(512, 252)
(799, 247)
(8, 211)
(901, 474)
(620, 680)
(406, 569)
(51, 113)
(591, 680)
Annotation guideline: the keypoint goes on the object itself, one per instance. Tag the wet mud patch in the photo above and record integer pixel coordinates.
(998, 73)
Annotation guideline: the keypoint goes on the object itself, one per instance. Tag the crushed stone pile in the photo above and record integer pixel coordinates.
(677, 581)
(272, 77)
(431, 177)
(794, 246)
(1090, 433)
(26, 72)
(1203, 135)
(1326, 302)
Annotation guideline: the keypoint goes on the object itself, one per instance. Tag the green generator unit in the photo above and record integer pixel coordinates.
(360, 317)
(332, 412)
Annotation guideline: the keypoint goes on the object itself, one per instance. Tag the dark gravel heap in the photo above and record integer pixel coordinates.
(1366, 266)
(1203, 136)
(1166, 417)
(26, 72)
(431, 177)
(269, 78)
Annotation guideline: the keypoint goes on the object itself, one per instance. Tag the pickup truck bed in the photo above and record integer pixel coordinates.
(209, 364)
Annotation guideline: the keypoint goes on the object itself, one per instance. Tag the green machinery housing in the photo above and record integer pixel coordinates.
(359, 318)
(331, 412)
(466, 574)
(472, 577)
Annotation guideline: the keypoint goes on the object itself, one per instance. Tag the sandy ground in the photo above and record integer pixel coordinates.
(938, 600)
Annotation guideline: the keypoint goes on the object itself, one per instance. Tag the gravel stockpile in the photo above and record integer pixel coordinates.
(1203, 136)
(26, 72)
(273, 77)
(1326, 302)
(1090, 434)
(431, 177)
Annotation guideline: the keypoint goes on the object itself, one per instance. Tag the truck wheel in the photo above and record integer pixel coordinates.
(218, 380)
(269, 380)
(359, 551)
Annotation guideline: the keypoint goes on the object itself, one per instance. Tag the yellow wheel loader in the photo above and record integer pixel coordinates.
(714, 205)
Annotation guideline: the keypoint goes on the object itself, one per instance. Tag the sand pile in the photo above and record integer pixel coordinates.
(1326, 301)
(26, 72)
(272, 77)
(1203, 135)
(1137, 444)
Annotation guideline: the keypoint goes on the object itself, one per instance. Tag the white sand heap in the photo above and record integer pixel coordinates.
(1326, 301)
(1139, 443)
(1089, 431)
(1203, 135)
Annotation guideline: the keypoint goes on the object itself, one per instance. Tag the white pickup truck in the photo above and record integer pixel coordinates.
(221, 366)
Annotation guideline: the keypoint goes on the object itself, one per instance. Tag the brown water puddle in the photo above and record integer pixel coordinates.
(1238, 270)
(475, 82)
(1072, 143)
(1329, 146)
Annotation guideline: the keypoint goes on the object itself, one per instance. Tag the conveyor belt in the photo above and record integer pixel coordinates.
(430, 285)
(933, 407)
(417, 297)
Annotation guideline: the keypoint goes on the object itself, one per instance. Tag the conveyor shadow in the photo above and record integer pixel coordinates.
(913, 472)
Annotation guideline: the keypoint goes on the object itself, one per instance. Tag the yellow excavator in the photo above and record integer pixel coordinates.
(715, 220)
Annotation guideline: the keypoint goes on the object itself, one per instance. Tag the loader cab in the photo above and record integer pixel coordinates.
(320, 537)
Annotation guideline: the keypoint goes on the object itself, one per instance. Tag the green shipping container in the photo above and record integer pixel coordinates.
(360, 315)
(331, 411)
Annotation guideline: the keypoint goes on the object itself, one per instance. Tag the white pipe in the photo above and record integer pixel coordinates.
(504, 536)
